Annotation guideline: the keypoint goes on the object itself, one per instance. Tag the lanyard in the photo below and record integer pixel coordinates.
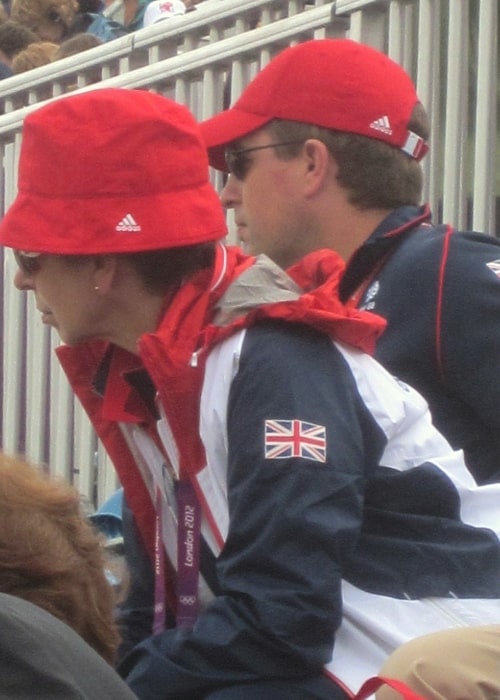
(188, 557)
(188, 553)
(177, 532)
(159, 569)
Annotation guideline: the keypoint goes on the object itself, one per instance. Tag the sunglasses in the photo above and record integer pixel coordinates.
(29, 263)
(237, 160)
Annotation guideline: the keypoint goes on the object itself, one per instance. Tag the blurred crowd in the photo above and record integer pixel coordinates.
(36, 32)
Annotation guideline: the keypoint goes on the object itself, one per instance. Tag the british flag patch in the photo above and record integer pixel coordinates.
(294, 438)
(494, 267)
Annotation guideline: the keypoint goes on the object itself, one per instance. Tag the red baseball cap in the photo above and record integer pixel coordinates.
(112, 171)
(338, 84)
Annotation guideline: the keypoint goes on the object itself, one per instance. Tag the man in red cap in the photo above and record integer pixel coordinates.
(283, 493)
(323, 151)
(347, 177)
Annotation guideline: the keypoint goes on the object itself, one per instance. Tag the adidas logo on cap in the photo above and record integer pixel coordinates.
(383, 124)
(128, 223)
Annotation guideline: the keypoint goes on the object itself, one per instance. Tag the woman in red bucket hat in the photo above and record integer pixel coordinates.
(284, 495)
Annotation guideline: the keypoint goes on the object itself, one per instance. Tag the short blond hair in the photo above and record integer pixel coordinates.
(37, 54)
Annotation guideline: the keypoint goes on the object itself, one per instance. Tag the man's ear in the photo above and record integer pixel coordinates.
(319, 165)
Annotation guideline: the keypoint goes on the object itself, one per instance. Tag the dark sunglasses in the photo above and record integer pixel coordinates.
(29, 263)
(237, 160)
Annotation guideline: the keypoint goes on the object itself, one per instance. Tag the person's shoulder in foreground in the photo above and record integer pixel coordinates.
(460, 663)
(333, 132)
(43, 658)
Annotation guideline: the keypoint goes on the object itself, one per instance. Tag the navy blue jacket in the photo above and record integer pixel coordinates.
(297, 527)
(439, 290)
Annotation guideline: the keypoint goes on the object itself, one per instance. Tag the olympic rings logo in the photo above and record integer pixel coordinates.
(187, 599)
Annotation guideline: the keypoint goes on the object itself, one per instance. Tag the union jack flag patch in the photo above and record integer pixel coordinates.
(494, 267)
(294, 438)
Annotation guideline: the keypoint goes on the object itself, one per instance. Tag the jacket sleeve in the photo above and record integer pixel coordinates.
(470, 327)
(295, 516)
(440, 292)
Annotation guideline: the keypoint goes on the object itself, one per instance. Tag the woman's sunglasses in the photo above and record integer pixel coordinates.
(29, 263)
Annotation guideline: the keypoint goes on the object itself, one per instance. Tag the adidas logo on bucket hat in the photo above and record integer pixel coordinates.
(150, 160)
(128, 223)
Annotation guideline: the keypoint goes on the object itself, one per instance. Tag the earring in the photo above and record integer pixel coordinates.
(96, 288)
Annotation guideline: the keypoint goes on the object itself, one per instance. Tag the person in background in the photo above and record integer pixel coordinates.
(323, 150)
(5, 71)
(48, 19)
(107, 520)
(33, 56)
(348, 177)
(159, 10)
(51, 556)
(14, 37)
(91, 19)
(132, 14)
(76, 44)
(281, 488)
(191, 4)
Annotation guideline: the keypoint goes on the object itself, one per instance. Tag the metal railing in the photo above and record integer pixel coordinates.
(448, 46)
(209, 22)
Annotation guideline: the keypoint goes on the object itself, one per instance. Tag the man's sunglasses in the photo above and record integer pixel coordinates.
(237, 160)
(29, 263)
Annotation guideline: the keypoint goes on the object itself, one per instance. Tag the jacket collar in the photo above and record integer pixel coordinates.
(399, 221)
(371, 255)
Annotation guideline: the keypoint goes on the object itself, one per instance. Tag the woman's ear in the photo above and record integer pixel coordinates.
(104, 272)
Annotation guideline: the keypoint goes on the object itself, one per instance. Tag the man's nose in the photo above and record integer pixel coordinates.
(231, 192)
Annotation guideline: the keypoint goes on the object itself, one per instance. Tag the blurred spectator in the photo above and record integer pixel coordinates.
(5, 71)
(158, 10)
(108, 521)
(14, 37)
(133, 14)
(52, 556)
(49, 19)
(76, 44)
(38, 54)
(94, 22)
(94, 6)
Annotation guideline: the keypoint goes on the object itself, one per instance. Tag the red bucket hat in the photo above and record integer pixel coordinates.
(338, 84)
(112, 171)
